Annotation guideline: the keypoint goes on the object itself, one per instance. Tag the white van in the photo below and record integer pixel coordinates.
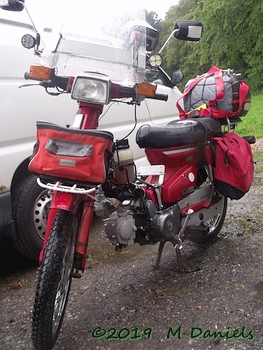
(24, 205)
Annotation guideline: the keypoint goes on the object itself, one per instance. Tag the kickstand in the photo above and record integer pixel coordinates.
(160, 251)
(177, 249)
(177, 242)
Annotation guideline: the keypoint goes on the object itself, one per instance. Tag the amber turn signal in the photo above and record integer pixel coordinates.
(146, 89)
(40, 73)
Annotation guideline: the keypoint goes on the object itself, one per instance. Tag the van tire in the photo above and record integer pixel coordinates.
(30, 209)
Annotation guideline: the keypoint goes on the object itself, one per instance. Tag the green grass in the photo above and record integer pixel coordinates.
(252, 123)
(258, 158)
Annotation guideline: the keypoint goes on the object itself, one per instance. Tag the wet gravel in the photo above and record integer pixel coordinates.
(120, 295)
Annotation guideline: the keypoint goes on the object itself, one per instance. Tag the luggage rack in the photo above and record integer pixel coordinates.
(68, 189)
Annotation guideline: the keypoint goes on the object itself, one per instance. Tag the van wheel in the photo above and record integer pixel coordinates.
(30, 210)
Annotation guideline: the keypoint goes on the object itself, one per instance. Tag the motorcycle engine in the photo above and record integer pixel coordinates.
(142, 222)
(120, 227)
(165, 224)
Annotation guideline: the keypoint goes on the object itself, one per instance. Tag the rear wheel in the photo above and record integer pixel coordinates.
(54, 281)
(215, 224)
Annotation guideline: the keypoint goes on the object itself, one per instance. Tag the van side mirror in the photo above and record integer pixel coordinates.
(188, 30)
(12, 5)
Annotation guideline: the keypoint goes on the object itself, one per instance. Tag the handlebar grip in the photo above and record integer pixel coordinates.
(162, 97)
(27, 76)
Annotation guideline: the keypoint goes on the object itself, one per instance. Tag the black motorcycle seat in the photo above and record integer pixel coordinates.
(178, 132)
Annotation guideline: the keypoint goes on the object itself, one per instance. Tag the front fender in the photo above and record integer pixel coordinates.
(65, 201)
(60, 201)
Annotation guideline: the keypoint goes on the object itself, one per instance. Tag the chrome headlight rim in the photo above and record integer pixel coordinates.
(91, 89)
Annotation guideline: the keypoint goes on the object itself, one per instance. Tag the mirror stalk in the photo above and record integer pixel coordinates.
(167, 41)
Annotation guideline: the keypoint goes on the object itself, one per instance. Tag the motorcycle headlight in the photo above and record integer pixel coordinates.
(91, 89)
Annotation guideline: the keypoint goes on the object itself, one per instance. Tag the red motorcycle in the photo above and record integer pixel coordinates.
(172, 199)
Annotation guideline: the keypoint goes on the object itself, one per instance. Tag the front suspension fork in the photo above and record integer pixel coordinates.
(71, 202)
(83, 236)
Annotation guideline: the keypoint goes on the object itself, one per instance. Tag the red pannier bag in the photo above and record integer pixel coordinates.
(233, 166)
(217, 93)
(67, 153)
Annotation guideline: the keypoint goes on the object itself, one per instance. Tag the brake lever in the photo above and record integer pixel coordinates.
(28, 85)
(45, 85)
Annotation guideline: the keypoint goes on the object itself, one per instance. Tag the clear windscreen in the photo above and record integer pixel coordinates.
(104, 37)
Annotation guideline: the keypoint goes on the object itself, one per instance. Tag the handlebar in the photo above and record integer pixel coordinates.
(161, 97)
(28, 77)
(55, 81)
(48, 79)
(131, 92)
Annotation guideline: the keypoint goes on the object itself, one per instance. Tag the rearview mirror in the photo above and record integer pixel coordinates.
(188, 30)
(177, 77)
(152, 36)
(12, 5)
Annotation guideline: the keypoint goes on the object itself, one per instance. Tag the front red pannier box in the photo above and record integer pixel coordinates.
(67, 153)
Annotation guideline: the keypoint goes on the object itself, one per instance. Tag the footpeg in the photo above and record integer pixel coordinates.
(76, 274)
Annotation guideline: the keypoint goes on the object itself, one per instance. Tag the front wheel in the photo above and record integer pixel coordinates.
(54, 281)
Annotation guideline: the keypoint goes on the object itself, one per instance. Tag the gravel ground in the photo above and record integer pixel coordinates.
(121, 296)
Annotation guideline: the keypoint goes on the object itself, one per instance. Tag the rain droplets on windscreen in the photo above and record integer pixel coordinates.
(102, 38)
